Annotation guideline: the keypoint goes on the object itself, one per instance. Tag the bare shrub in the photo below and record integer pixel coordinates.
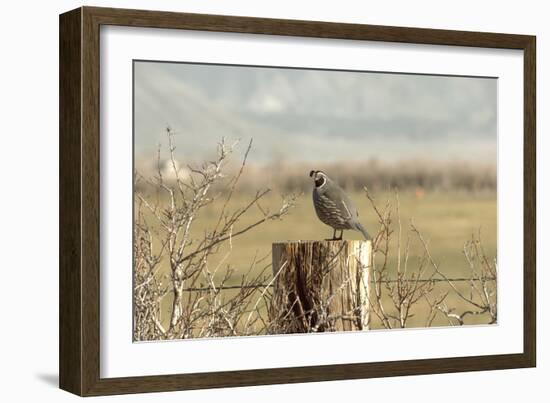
(163, 235)
(410, 286)
(480, 298)
(395, 298)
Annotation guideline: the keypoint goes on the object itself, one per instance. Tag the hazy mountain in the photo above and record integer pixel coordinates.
(314, 115)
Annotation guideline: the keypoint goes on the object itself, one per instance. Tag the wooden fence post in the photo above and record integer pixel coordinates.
(321, 286)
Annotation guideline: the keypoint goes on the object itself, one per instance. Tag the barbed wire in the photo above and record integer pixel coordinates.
(388, 281)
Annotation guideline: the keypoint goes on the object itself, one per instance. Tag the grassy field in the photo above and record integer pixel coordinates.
(446, 220)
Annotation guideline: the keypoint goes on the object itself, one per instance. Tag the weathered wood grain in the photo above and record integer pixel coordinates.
(320, 286)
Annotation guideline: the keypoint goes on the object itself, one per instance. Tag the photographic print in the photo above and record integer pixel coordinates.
(277, 200)
(228, 184)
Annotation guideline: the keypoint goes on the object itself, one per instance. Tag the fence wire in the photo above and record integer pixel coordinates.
(390, 281)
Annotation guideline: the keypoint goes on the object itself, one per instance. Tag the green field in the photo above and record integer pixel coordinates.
(446, 221)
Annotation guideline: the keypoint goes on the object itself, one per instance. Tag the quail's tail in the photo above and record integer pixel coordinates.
(362, 230)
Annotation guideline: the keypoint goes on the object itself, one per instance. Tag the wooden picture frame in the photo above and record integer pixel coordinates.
(79, 348)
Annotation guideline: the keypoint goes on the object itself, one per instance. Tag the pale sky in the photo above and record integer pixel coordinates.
(309, 115)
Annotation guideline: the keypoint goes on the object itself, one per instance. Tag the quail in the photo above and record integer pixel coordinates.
(334, 207)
